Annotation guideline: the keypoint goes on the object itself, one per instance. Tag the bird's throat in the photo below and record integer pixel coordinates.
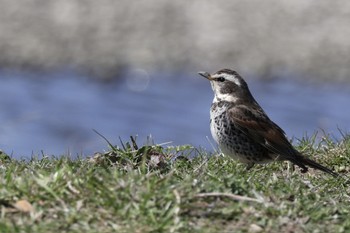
(225, 97)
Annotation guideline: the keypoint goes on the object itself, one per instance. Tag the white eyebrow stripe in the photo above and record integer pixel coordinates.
(229, 77)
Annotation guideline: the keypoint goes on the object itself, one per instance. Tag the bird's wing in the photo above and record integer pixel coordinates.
(256, 125)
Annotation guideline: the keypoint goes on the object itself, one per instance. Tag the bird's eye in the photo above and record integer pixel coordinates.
(220, 79)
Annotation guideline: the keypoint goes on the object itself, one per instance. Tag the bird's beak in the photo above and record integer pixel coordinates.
(205, 75)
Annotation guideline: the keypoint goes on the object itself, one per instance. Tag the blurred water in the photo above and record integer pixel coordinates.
(56, 112)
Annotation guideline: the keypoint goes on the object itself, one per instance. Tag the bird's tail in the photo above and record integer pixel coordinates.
(302, 162)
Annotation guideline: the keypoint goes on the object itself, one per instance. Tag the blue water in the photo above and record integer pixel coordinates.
(55, 113)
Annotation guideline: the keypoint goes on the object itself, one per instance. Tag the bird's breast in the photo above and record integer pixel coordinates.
(232, 141)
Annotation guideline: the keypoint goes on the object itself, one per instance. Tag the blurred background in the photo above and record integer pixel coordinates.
(130, 68)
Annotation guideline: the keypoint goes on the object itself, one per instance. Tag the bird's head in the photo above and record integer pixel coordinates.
(228, 85)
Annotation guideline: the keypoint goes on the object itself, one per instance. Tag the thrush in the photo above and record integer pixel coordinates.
(243, 130)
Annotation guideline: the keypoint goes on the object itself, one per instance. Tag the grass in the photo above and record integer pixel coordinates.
(145, 189)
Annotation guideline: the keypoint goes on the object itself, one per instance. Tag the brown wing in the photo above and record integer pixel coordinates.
(257, 126)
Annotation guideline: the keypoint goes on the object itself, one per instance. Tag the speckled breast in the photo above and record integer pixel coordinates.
(232, 141)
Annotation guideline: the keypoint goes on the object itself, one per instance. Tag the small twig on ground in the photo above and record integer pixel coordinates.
(228, 195)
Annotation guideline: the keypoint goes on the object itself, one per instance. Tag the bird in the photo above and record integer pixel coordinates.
(243, 130)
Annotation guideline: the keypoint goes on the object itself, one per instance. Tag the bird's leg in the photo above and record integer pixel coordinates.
(249, 166)
(303, 169)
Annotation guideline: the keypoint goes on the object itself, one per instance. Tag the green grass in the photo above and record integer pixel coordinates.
(132, 189)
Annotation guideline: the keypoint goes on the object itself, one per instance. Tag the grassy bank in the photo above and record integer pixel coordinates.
(144, 189)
